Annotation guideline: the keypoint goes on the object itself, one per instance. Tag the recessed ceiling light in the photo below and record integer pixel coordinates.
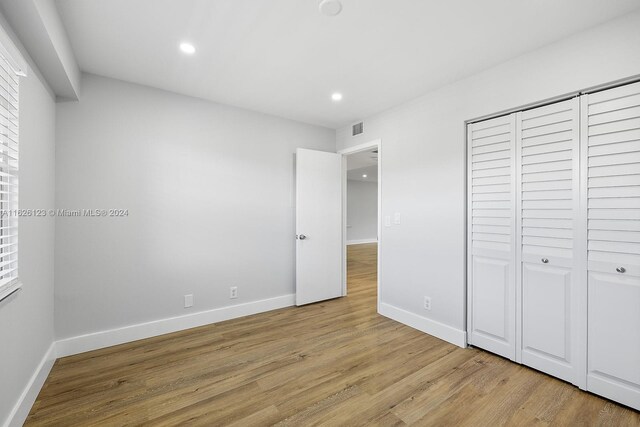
(364, 176)
(336, 96)
(187, 48)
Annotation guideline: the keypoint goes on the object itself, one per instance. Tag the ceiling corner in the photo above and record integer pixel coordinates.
(39, 27)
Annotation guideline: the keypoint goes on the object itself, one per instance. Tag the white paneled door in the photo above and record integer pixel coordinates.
(548, 207)
(492, 221)
(318, 226)
(611, 156)
(554, 240)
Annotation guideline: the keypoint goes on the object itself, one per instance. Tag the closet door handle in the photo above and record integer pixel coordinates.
(621, 269)
(544, 260)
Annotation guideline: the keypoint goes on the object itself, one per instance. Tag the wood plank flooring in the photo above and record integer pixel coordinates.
(331, 363)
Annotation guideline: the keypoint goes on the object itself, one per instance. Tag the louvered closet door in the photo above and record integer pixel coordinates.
(548, 203)
(491, 266)
(612, 121)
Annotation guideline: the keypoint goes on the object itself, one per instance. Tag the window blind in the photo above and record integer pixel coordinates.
(8, 174)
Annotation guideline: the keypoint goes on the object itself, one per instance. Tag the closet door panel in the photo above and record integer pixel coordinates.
(612, 153)
(547, 234)
(491, 266)
(546, 312)
(614, 340)
(490, 302)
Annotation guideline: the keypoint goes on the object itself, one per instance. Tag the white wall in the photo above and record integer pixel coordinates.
(26, 319)
(362, 211)
(209, 189)
(423, 170)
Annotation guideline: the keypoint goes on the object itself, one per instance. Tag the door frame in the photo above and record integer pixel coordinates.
(376, 143)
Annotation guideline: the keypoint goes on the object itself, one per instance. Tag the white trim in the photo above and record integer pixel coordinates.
(9, 50)
(516, 224)
(468, 240)
(343, 246)
(102, 339)
(614, 390)
(21, 410)
(9, 288)
(580, 249)
(361, 147)
(439, 330)
(361, 241)
(379, 264)
(578, 309)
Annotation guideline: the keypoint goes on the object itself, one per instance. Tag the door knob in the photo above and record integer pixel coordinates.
(301, 236)
(544, 260)
(621, 269)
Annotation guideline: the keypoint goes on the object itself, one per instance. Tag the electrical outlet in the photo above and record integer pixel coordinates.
(233, 292)
(427, 303)
(188, 301)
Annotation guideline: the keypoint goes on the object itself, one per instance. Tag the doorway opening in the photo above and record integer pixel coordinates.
(361, 220)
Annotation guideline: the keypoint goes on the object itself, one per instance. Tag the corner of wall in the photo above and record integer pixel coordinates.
(439, 330)
(27, 398)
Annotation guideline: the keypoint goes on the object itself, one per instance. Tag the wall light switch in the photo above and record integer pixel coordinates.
(387, 221)
(188, 301)
(396, 218)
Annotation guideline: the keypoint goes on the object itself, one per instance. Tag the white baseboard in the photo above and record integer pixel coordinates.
(361, 241)
(428, 326)
(108, 338)
(21, 410)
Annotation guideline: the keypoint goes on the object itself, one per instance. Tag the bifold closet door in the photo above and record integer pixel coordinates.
(611, 155)
(491, 240)
(548, 206)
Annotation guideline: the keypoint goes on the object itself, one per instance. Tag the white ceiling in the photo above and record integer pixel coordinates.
(371, 173)
(362, 158)
(283, 57)
(363, 163)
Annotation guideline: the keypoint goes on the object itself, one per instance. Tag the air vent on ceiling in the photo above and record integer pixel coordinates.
(357, 129)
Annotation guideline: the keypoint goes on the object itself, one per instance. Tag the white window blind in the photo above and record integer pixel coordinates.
(9, 81)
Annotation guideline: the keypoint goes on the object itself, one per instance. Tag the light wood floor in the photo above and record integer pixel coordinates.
(332, 363)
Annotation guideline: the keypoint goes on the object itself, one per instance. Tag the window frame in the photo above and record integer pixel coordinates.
(13, 67)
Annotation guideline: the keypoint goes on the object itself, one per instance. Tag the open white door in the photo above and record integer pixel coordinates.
(318, 226)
